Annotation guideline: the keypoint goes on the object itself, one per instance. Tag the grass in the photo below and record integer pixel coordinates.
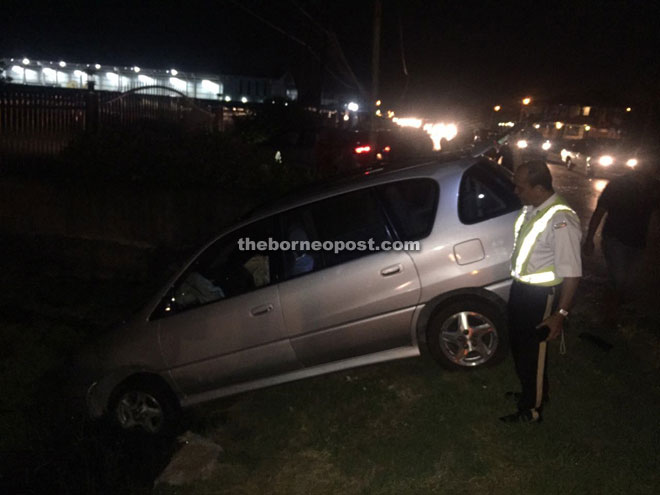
(406, 427)
(401, 427)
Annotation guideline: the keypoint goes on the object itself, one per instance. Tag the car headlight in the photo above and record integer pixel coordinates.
(632, 162)
(546, 146)
(605, 160)
(522, 144)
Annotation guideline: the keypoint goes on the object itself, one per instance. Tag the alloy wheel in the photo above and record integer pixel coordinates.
(468, 338)
(139, 409)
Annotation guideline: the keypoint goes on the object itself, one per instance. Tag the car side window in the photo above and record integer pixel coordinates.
(355, 217)
(411, 206)
(299, 230)
(484, 194)
(232, 266)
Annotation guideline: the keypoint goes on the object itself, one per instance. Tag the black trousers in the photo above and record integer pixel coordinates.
(528, 306)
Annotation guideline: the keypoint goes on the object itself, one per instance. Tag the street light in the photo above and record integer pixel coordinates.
(497, 108)
(525, 101)
(628, 109)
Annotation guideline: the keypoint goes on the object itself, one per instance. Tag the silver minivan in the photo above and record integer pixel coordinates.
(243, 315)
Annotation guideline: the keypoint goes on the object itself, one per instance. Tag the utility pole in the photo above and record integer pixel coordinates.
(375, 69)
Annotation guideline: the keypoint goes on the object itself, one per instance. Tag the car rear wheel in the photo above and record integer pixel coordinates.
(468, 334)
(145, 405)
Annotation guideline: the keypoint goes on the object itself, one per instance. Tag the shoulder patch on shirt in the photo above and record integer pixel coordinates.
(559, 225)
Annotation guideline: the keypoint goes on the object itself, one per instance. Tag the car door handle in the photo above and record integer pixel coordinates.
(261, 310)
(391, 270)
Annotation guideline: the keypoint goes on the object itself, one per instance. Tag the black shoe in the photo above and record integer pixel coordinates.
(526, 416)
(516, 396)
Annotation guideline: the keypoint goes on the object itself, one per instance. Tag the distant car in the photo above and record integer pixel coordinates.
(528, 143)
(365, 150)
(331, 150)
(237, 319)
(390, 145)
(599, 157)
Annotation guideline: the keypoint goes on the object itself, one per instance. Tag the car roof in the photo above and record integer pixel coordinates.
(438, 169)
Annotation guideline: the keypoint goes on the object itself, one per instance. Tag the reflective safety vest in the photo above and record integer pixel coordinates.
(524, 241)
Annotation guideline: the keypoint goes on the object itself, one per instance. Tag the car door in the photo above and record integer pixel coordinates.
(339, 304)
(221, 323)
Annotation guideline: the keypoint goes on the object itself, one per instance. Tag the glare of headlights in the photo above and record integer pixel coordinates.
(546, 145)
(632, 162)
(522, 144)
(606, 160)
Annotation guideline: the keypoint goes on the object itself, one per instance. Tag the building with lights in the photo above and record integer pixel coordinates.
(205, 86)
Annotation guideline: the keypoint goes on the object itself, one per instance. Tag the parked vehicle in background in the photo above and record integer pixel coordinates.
(241, 319)
(600, 157)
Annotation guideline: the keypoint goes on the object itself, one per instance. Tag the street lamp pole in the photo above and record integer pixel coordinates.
(375, 69)
(525, 102)
(496, 109)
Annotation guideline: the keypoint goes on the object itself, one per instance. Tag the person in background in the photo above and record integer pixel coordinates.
(546, 268)
(628, 201)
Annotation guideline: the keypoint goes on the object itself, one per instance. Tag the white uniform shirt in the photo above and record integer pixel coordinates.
(558, 244)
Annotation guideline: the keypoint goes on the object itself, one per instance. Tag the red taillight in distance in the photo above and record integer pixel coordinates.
(362, 149)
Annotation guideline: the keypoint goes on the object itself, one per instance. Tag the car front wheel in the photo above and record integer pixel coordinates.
(468, 334)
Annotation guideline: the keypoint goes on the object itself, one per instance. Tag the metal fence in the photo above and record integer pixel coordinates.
(157, 103)
(40, 121)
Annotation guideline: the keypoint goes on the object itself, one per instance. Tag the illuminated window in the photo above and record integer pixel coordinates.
(586, 111)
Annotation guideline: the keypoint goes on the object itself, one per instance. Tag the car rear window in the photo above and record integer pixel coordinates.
(411, 205)
(486, 192)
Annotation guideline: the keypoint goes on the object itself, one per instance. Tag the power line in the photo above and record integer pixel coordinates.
(292, 37)
(332, 36)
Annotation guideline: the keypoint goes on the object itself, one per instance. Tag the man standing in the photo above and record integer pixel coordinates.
(629, 201)
(546, 268)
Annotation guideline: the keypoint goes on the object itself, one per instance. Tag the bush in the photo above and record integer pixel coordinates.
(164, 154)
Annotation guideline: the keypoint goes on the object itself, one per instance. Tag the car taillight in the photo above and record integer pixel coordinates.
(362, 149)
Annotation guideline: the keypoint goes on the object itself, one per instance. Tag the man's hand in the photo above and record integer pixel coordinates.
(555, 323)
(588, 247)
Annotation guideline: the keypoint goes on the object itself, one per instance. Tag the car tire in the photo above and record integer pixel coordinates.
(467, 334)
(145, 405)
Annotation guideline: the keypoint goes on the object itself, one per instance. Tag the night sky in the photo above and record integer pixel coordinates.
(456, 52)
